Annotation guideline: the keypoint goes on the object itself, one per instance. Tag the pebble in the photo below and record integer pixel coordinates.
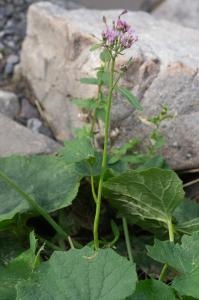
(34, 124)
(8, 70)
(12, 59)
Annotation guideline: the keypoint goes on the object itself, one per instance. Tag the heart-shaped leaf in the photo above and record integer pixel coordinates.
(187, 217)
(19, 268)
(46, 179)
(182, 257)
(81, 274)
(153, 290)
(150, 194)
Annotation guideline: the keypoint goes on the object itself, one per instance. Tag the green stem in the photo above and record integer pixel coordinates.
(171, 230)
(94, 119)
(104, 160)
(163, 272)
(171, 239)
(127, 239)
(37, 207)
(93, 189)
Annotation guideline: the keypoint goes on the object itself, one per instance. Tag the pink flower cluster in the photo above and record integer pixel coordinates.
(121, 34)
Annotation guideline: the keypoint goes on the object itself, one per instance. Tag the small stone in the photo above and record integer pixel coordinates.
(8, 69)
(12, 59)
(9, 104)
(34, 124)
(10, 44)
(1, 46)
(188, 156)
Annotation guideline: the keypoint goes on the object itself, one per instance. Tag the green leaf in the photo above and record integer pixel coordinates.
(10, 247)
(101, 114)
(105, 55)
(81, 274)
(77, 150)
(130, 97)
(89, 80)
(88, 104)
(95, 47)
(118, 153)
(150, 194)
(19, 268)
(188, 227)
(184, 258)
(46, 179)
(187, 217)
(103, 77)
(154, 162)
(186, 211)
(153, 290)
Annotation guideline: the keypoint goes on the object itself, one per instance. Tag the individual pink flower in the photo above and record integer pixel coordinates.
(122, 26)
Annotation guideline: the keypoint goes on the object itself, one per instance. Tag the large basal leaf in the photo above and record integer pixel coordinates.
(153, 290)
(81, 274)
(184, 258)
(187, 217)
(49, 181)
(150, 194)
(77, 150)
(19, 268)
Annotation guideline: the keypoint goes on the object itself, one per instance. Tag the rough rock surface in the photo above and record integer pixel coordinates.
(184, 12)
(16, 139)
(9, 104)
(146, 5)
(164, 71)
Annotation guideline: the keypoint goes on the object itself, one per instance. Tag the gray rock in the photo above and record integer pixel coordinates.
(146, 5)
(12, 59)
(8, 69)
(164, 71)
(9, 104)
(28, 111)
(184, 12)
(34, 124)
(17, 139)
(1, 47)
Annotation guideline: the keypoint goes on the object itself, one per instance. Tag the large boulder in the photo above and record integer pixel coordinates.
(17, 139)
(146, 5)
(56, 55)
(184, 12)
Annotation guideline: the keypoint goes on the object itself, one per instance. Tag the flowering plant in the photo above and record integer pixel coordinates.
(133, 197)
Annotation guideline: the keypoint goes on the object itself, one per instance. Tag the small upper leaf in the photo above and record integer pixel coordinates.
(88, 104)
(105, 55)
(130, 97)
(81, 274)
(184, 258)
(77, 150)
(153, 290)
(151, 194)
(89, 80)
(95, 46)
